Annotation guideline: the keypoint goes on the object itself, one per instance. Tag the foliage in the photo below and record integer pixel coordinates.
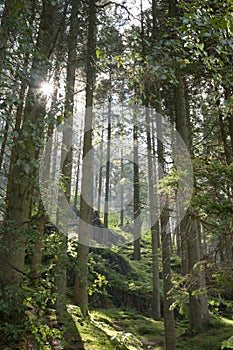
(227, 344)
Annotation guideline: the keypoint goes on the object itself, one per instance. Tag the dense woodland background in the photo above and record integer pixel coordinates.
(164, 281)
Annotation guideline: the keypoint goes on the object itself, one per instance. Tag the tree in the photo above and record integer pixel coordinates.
(190, 233)
(81, 278)
(24, 156)
(107, 174)
(156, 310)
(136, 195)
(66, 156)
(169, 319)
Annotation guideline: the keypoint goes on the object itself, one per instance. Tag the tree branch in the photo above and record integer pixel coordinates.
(117, 5)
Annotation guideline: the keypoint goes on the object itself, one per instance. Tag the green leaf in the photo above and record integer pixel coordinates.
(98, 53)
(201, 46)
(26, 168)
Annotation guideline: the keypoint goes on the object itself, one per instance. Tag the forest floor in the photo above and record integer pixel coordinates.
(119, 315)
(110, 329)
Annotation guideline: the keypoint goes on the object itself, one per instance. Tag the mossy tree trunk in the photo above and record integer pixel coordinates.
(190, 229)
(25, 152)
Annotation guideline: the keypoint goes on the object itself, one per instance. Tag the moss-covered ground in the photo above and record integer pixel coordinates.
(126, 329)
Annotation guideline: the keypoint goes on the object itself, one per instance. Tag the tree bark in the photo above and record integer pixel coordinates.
(136, 196)
(107, 173)
(25, 152)
(36, 262)
(156, 308)
(122, 189)
(81, 277)
(198, 306)
(77, 174)
(190, 235)
(4, 142)
(100, 175)
(67, 153)
(169, 319)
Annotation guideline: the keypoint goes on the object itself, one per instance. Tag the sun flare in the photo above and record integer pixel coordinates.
(46, 88)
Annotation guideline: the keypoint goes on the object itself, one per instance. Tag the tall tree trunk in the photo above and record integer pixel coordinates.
(198, 306)
(100, 175)
(66, 167)
(122, 189)
(156, 309)
(25, 150)
(190, 235)
(77, 174)
(41, 218)
(169, 319)
(81, 277)
(182, 126)
(136, 196)
(107, 174)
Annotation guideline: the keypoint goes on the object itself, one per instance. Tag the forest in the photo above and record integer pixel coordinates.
(116, 174)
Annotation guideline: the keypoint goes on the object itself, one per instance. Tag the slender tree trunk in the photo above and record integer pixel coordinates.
(4, 142)
(67, 154)
(156, 309)
(107, 174)
(136, 197)
(77, 174)
(198, 307)
(182, 126)
(122, 189)
(81, 277)
(100, 172)
(169, 319)
(41, 218)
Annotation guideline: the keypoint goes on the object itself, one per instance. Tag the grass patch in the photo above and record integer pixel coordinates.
(220, 329)
(126, 329)
(117, 329)
(93, 337)
(143, 328)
